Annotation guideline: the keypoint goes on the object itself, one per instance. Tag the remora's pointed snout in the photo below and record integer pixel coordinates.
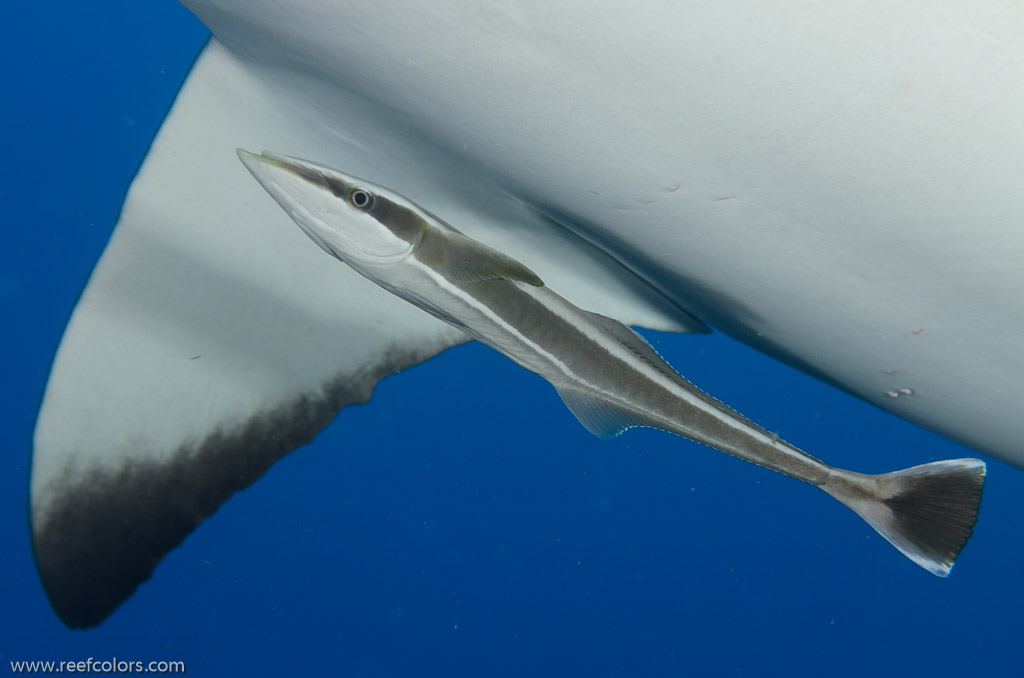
(247, 158)
(316, 198)
(299, 188)
(269, 167)
(260, 166)
(263, 164)
(282, 176)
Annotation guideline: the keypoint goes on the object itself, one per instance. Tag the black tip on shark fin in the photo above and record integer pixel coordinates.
(98, 534)
(928, 512)
(105, 532)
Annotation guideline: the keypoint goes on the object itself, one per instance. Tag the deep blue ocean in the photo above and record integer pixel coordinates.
(463, 523)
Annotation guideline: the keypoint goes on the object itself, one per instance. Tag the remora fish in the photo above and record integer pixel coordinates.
(607, 375)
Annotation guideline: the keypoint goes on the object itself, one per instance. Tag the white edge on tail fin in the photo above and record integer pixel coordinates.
(927, 512)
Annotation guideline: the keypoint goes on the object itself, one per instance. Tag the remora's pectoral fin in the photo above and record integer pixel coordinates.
(464, 260)
(211, 340)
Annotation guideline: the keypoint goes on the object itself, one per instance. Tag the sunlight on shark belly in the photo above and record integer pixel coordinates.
(607, 375)
(797, 175)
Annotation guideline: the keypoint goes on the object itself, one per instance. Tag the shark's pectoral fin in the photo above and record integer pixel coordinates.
(101, 527)
(211, 340)
(213, 337)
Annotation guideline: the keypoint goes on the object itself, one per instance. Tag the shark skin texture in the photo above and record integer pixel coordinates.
(836, 201)
(835, 186)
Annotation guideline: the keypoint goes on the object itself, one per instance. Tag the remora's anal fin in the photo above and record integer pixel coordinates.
(603, 418)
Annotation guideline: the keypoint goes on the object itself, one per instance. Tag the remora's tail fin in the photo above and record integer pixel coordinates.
(927, 511)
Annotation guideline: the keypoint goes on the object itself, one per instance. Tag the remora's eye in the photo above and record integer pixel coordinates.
(360, 199)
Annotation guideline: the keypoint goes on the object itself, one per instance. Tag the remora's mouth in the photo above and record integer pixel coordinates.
(314, 197)
(283, 178)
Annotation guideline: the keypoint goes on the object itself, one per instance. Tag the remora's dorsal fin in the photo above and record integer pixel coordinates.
(639, 346)
(465, 260)
(927, 512)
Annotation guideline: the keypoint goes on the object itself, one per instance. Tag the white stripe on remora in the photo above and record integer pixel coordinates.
(492, 327)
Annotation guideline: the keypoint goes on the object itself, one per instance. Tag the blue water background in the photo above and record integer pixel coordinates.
(463, 524)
